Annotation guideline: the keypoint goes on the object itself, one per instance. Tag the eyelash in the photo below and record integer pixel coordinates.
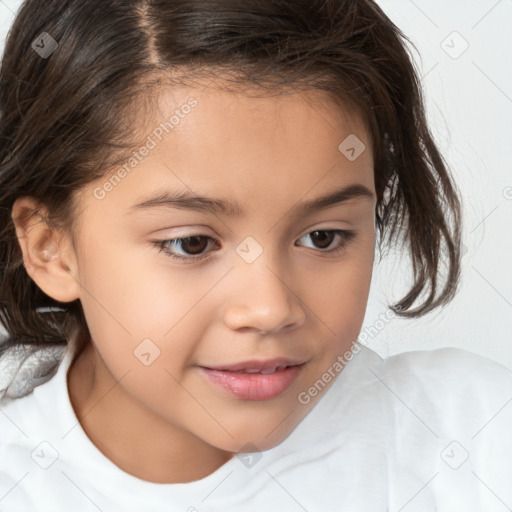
(346, 238)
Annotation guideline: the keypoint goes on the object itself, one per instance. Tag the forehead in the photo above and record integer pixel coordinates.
(252, 147)
(251, 128)
(249, 105)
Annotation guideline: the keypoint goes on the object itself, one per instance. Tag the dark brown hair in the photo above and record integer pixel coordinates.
(67, 117)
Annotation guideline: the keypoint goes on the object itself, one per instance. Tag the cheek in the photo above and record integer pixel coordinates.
(339, 291)
(338, 300)
(135, 296)
(128, 297)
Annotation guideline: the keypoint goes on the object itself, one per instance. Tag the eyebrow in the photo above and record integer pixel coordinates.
(192, 202)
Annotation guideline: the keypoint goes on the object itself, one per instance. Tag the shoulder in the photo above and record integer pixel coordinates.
(449, 370)
(26, 391)
(23, 367)
(449, 402)
(449, 377)
(451, 417)
(446, 358)
(450, 389)
(28, 412)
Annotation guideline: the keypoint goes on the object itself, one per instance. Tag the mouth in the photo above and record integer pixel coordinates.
(252, 380)
(264, 367)
(268, 371)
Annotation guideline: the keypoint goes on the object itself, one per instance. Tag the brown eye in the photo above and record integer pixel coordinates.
(192, 247)
(323, 238)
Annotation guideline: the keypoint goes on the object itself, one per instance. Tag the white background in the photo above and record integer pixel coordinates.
(469, 104)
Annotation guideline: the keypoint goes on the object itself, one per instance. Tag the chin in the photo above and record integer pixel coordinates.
(252, 442)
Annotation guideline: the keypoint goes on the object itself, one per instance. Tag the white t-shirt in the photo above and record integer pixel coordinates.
(419, 431)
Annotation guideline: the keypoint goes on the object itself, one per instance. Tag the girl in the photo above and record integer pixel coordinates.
(190, 194)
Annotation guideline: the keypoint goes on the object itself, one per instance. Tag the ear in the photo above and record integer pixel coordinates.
(48, 255)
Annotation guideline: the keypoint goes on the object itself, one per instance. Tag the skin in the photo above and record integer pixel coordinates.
(294, 300)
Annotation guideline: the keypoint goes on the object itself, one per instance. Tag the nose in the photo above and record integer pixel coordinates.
(263, 300)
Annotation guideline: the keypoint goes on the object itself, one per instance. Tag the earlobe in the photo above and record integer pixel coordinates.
(48, 256)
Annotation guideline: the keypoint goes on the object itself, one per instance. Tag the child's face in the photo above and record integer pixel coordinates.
(267, 287)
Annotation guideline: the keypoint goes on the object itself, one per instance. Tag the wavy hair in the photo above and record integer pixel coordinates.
(66, 117)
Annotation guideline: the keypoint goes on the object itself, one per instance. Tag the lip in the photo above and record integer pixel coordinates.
(257, 365)
(254, 386)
